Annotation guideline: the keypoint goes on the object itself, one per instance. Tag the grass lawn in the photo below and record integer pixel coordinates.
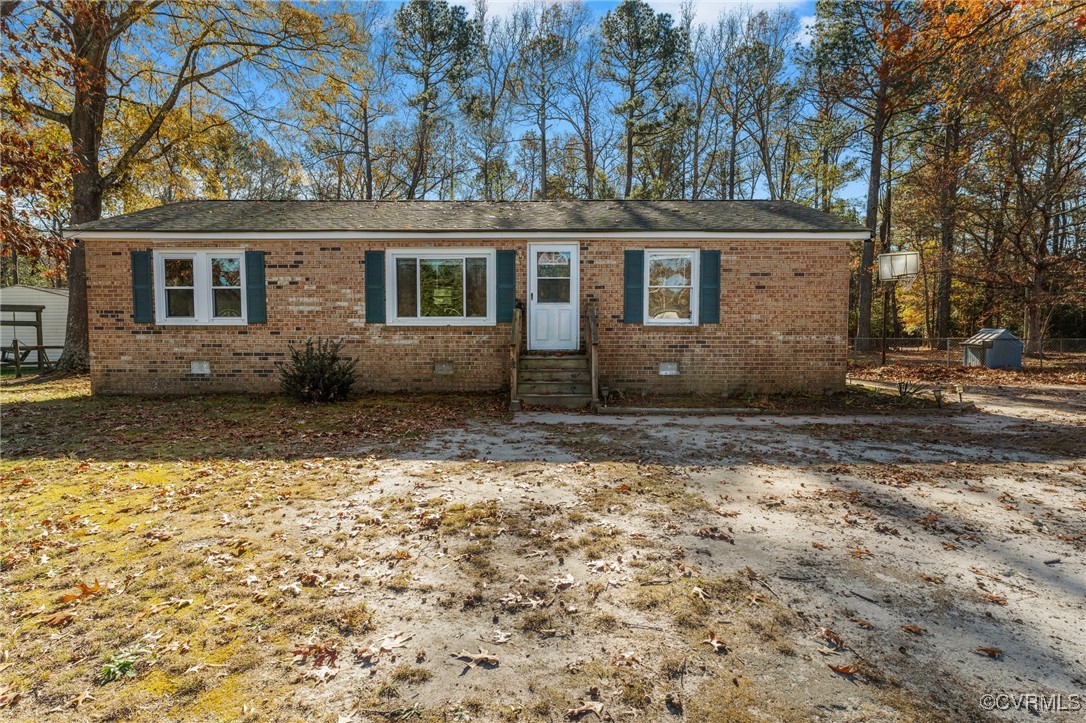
(172, 524)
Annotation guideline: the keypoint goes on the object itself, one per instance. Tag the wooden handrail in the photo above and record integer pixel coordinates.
(592, 343)
(514, 357)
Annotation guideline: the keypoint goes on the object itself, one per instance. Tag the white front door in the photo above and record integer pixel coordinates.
(553, 297)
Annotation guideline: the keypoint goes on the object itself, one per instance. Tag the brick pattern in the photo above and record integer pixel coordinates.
(783, 323)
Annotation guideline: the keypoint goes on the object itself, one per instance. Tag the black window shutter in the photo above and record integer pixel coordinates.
(256, 294)
(375, 287)
(709, 296)
(507, 284)
(142, 289)
(634, 288)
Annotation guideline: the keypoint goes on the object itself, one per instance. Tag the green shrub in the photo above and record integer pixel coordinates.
(316, 372)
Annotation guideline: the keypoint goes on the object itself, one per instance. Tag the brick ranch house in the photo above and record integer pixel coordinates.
(554, 301)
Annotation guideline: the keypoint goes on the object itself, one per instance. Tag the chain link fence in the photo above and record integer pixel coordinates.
(1056, 353)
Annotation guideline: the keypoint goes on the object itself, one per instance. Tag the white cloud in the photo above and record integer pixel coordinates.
(806, 31)
(705, 11)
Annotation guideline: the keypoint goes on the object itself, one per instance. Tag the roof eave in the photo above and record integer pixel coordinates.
(152, 235)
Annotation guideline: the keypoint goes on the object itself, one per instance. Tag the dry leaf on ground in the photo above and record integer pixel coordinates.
(483, 658)
(831, 637)
(586, 707)
(392, 641)
(718, 645)
(322, 674)
(85, 591)
(59, 619)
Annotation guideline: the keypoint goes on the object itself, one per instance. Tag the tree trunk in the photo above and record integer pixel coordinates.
(90, 32)
(367, 155)
(867, 257)
(543, 152)
(947, 202)
(733, 150)
(1035, 316)
(629, 159)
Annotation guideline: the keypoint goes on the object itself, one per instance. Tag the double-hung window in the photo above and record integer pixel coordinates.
(439, 287)
(671, 286)
(199, 287)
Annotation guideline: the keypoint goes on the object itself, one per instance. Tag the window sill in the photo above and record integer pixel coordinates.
(670, 324)
(191, 322)
(440, 322)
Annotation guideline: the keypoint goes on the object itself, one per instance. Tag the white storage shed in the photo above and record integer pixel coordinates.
(54, 318)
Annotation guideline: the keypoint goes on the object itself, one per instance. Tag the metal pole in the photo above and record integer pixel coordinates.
(885, 305)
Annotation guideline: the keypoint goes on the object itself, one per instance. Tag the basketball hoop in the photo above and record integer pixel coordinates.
(896, 267)
(901, 266)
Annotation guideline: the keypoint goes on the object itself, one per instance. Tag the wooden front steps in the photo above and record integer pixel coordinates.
(555, 380)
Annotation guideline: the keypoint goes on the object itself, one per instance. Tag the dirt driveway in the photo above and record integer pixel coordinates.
(554, 566)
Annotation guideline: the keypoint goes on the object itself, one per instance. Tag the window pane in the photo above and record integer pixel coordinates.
(476, 285)
(671, 271)
(406, 291)
(226, 272)
(667, 303)
(552, 291)
(178, 272)
(180, 302)
(227, 302)
(441, 285)
(552, 264)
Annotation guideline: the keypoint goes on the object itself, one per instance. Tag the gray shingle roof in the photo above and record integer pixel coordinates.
(468, 216)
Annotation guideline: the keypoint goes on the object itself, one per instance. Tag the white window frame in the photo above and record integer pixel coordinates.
(203, 303)
(695, 284)
(391, 307)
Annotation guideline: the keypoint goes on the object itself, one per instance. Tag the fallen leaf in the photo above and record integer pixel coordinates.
(863, 623)
(322, 654)
(861, 553)
(718, 646)
(85, 591)
(392, 641)
(59, 619)
(994, 598)
(483, 658)
(820, 546)
(9, 697)
(175, 603)
(715, 533)
(934, 579)
(586, 707)
(914, 629)
(322, 674)
(564, 583)
(844, 669)
(994, 653)
(832, 638)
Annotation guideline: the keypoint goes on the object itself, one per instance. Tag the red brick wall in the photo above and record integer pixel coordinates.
(783, 323)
